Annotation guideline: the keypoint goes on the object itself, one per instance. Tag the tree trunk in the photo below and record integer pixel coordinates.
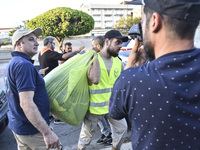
(60, 42)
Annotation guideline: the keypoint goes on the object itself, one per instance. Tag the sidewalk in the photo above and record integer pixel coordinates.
(69, 136)
(125, 146)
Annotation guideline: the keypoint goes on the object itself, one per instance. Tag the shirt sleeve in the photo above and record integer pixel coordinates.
(117, 103)
(54, 55)
(25, 77)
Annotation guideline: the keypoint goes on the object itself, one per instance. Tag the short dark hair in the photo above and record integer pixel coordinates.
(68, 43)
(48, 39)
(180, 28)
(98, 40)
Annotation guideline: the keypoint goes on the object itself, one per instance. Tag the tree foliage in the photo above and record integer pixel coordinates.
(127, 22)
(5, 41)
(62, 22)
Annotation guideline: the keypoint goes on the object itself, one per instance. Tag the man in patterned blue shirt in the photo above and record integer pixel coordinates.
(162, 98)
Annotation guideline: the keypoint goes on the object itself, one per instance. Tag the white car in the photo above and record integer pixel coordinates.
(126, 50)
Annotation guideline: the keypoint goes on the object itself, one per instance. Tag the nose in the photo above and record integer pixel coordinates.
(120, 46)
(36, 43)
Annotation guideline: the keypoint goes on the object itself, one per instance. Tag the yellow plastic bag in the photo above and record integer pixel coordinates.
(67, 87)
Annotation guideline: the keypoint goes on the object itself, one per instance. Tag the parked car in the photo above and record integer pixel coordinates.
(126, 50)
(3, 111)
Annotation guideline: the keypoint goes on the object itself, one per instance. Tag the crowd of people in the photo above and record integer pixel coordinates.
(157, 91)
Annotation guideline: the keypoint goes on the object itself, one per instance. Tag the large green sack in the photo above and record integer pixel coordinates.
(67, 87)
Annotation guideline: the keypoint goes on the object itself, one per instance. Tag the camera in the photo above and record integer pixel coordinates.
(136, 32)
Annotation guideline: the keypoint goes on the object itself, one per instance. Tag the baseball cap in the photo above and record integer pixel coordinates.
(115, 34)
(187, 10)
(18, 34)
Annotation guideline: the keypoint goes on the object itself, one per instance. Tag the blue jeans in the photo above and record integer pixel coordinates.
(104, 127)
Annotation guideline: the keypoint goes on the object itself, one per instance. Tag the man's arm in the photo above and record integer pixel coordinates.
(32, 113)
(70, 54)
(94, 72)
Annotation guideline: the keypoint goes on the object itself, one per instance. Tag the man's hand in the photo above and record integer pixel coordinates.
(51, 140)
(42, 71)
(137, 56)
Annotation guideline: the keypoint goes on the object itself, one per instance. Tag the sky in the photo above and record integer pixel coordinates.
(13, 12)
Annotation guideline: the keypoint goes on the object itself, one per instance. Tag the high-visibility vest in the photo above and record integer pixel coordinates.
(100, 93)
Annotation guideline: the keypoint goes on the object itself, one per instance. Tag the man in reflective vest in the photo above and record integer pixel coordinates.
(101, 77)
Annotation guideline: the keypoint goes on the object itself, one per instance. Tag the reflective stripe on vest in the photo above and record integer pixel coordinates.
(99, 104)
(101, 91)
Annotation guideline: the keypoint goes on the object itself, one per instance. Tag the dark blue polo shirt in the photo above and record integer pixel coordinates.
(21, 75)
(162, 102)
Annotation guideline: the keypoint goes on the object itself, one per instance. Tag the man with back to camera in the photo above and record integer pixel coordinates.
(49, 58)
(97, 43)
(27, 96)
(101, 76)
(161, 98)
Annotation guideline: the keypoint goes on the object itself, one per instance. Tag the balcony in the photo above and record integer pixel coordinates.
(108, 12)
(108, 18)
(96, 12)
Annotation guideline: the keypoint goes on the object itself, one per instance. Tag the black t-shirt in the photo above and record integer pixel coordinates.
(49, 59)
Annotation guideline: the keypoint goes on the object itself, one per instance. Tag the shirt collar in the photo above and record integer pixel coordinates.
(17, 53)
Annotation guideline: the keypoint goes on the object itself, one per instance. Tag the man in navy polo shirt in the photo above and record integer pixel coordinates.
(162, 98)
(27, 96)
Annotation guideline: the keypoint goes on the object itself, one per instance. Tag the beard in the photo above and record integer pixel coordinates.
(149, 50)
(112, 52)
(148, 47)
(52, 47)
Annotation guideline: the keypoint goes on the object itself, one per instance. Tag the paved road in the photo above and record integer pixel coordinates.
(68, 135)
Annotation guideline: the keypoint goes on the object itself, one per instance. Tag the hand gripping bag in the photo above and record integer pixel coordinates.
(67, 87)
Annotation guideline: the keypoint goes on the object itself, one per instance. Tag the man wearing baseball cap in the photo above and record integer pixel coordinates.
(27, 96)
(162, 98)
(101, 77)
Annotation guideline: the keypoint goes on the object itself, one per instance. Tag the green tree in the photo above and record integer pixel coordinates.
(130, 21)
(62, 22)
(5, 41)
(127, 23)
(120, 23)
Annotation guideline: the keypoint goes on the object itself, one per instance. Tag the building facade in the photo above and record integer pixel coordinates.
(106, 16)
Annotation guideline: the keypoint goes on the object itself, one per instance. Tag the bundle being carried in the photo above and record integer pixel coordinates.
(67, 87)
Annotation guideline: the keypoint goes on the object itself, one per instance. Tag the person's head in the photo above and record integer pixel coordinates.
(68, 47)
(49, 42)
(25, 40)
(113, 42)
(180, 19)
(97, 43)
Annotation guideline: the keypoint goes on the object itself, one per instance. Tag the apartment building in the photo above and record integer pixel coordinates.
(106, 16)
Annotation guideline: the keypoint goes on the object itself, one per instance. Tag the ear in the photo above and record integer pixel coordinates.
(98, 46)
(17, 43)
(156, 22)
(106, 41)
